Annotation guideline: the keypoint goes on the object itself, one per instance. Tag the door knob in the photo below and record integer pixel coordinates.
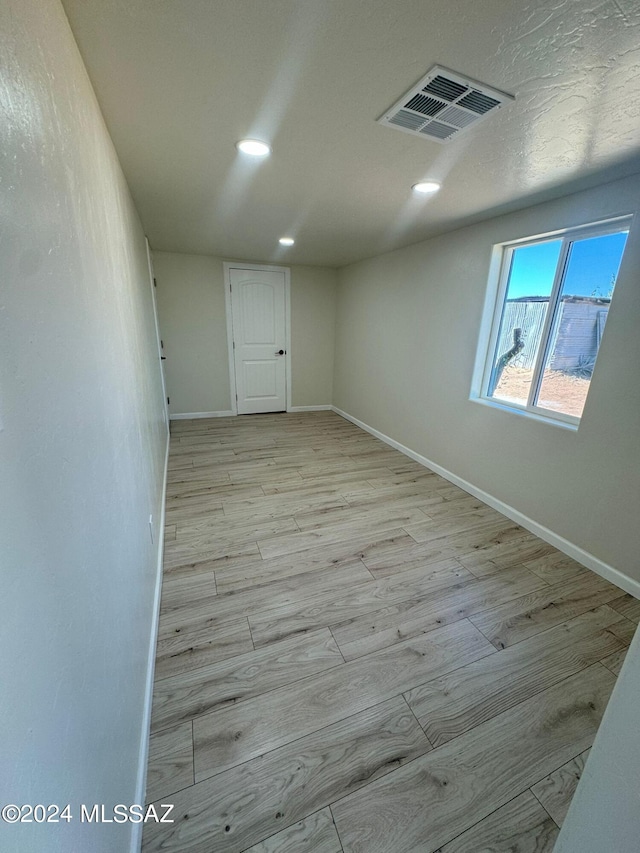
(281, 352)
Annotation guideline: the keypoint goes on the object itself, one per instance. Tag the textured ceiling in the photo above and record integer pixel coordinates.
(179, 81)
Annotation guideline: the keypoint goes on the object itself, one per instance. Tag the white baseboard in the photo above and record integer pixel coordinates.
(580, 555)
(188, 416)
(143, 756)
(183, 416)
(326, 408)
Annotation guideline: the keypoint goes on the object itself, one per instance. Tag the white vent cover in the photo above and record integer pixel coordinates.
(442, 105)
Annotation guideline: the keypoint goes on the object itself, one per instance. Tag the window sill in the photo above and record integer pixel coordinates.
(572, 426)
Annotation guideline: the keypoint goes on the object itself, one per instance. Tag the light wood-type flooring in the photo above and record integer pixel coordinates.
(355, 655)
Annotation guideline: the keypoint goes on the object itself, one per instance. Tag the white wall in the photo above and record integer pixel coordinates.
(81, 447)
(191, 311)
(191, 307)
(406, 339)
(313, 327)
(605, 811)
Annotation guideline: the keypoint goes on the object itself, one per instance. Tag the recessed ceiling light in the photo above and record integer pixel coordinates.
(426, 187)
(286, 241)
(253, 147)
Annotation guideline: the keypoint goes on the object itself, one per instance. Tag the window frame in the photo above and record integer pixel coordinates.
(494, 306)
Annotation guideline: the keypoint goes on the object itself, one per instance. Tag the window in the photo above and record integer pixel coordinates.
(553, 300)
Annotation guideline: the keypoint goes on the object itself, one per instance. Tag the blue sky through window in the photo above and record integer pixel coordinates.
(593, 264)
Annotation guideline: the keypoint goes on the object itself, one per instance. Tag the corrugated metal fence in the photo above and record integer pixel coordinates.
(578, 334)
(528, 316)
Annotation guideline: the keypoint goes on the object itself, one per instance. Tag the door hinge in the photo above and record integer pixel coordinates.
(161, 344)
(233, 343)
(168, 401)
(155, 283)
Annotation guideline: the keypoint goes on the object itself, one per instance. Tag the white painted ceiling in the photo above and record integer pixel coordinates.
(180, 81)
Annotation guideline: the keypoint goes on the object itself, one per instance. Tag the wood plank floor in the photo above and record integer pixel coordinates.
(355, 655)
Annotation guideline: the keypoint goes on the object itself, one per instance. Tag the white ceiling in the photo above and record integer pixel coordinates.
(180, 81)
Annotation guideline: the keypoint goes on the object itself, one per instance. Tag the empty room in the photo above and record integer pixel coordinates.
(319, 426)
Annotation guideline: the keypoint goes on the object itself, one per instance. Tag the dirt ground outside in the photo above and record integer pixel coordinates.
(559, 392)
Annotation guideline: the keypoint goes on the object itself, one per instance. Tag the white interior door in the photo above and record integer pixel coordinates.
(258, 308)
(158, 338)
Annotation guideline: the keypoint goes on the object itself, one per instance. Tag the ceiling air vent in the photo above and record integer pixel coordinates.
(443, 104)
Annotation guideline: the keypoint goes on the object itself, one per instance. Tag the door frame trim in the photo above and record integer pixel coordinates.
(239, 265)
